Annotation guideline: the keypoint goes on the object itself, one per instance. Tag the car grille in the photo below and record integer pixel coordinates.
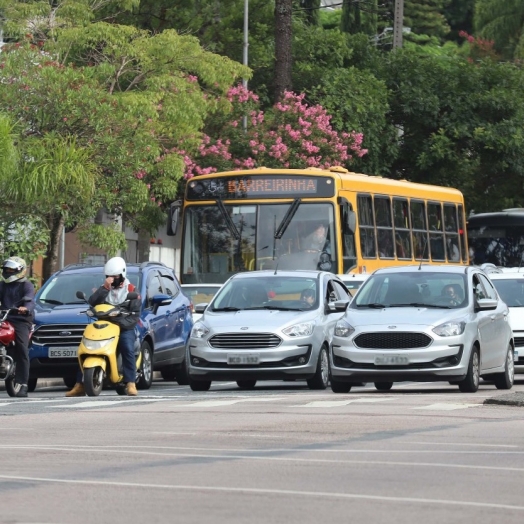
(387, 340)
(57, 335)
(519, 342)
(245, 341)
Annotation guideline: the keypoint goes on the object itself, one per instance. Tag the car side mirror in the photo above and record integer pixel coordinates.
(339, 306)
(200, 308)
(487, 304)
(81, 295)
(161, 300)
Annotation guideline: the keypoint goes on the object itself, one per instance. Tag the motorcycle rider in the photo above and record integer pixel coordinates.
(13, 289)
(114, 291)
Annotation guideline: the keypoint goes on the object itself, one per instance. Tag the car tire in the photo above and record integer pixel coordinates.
(199, 385)
(471, 383)
(340, 387)
(320, 379)
(146, 377)
(505, 379)
(246, 384)
(69, 382)
(93, 381)
(31, 384)
(182, 376)
(383, 386)
(169, 373)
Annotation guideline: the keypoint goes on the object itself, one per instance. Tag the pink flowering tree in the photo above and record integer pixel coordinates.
(290, 135)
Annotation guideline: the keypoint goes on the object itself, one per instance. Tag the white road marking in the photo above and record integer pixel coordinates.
(337, 403)
(278, 492)
(447, 407)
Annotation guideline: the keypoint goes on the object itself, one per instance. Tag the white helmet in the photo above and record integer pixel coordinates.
(13, 269)
(115, 266)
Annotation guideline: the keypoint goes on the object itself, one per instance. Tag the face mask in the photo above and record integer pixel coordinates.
(116, 282)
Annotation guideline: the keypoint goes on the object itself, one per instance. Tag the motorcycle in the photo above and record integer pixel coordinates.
(98, 357)
(7, 339)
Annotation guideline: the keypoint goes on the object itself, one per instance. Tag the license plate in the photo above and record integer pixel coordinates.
(391, 360)
(235, 359)
(62, 352)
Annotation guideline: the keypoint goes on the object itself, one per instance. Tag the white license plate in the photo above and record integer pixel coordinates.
(235, 359)
(62, 352)
(391, 360)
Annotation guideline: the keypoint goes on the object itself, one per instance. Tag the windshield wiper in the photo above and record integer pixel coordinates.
(276, 308)
(374, 306)
(419, 304)
(51, 301)
(228, 308)
(287, 218)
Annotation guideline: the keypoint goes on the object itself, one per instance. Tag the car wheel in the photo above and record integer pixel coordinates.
(146, 377)
(505, 380)
(169, 373)
(69, 382)
(93, 381)
(340, 387)
(200, 385)
(246, 384)
(383, 386)
(31, 384)
(471, 383)
(182, 376)
(320, 379)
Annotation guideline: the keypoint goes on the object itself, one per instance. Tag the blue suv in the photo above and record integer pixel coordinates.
(163, 329)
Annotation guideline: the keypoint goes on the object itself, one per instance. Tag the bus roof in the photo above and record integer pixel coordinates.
(348, 179)
(498, 218)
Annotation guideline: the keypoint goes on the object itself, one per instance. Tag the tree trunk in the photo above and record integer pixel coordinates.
(283, 41)
(143, 246)
(50, 262)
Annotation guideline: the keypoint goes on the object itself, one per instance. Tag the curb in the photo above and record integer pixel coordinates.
(511, 399)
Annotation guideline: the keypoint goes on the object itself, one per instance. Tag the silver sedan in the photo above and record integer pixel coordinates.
(424, 323)
(267, 325)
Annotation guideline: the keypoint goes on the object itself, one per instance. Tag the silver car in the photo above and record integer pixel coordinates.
(267, 325)
(424, 323)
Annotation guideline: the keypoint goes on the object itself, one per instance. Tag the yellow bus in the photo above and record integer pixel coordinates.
(329, 219)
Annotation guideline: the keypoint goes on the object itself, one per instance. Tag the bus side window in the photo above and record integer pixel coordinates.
(366, 226)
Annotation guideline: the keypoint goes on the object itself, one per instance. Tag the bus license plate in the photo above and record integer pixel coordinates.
(391, 360)
(62, 352)
(236, 359)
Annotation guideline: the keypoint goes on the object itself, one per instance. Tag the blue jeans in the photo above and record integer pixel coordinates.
(126, 346)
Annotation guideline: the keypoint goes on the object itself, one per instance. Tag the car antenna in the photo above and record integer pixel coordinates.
(423, 253)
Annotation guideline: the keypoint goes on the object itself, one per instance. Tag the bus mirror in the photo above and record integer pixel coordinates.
(172, 218)
(351, 221)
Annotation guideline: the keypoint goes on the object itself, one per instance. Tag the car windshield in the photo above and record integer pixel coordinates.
(284, 293)
(405, 289)
(511, 290)
(61, 288)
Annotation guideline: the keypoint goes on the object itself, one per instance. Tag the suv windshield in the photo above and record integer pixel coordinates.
(62, 288)
(431, 289)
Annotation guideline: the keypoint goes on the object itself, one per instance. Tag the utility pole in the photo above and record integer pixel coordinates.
(244, 53)
(398, 24)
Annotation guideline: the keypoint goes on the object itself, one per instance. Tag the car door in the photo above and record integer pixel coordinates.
(498, 327)
(485, 324)
(176, 313)
(157, 317)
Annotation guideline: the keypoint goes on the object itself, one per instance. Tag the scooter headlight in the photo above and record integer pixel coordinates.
(96, 344)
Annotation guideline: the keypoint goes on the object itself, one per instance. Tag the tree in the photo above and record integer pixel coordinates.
(283, 55)
(502, 22)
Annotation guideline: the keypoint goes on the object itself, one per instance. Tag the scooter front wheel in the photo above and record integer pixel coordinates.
(93, 381)
(10, 386)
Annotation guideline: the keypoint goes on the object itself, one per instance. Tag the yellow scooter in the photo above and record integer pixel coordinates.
(97, 353)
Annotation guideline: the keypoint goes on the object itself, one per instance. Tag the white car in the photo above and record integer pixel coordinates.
(510, 286)
(353, 280)
(199, 294)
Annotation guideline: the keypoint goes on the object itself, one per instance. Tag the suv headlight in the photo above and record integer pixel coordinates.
(199, 330)
(304, 329)
(343, 329)
(96, 344)
(450, 329)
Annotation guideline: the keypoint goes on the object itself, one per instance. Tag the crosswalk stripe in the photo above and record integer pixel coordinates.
(446, 407)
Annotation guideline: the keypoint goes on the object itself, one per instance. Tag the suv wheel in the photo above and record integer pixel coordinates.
(146, 377)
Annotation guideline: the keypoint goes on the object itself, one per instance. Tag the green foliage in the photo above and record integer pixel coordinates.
(110, 239)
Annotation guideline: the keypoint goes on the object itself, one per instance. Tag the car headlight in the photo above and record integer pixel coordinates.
(450, 329)
(343, 329)
(199, 330)
(304, 329)
(96, 344)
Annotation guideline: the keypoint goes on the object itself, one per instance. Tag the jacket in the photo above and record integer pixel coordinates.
(11, 296)
(134, 306)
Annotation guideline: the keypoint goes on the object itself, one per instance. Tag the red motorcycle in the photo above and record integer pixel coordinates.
(7, 339)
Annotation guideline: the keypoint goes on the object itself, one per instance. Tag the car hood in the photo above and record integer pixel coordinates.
(412, 316)
(256, 319)
(66, 314)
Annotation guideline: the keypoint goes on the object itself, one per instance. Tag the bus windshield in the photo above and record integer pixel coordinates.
(223, 238)
(502, 246)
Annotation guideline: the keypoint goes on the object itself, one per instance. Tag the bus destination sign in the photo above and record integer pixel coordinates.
(260, 186)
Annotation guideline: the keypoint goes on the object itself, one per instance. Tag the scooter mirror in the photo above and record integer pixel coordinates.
(81, 295)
